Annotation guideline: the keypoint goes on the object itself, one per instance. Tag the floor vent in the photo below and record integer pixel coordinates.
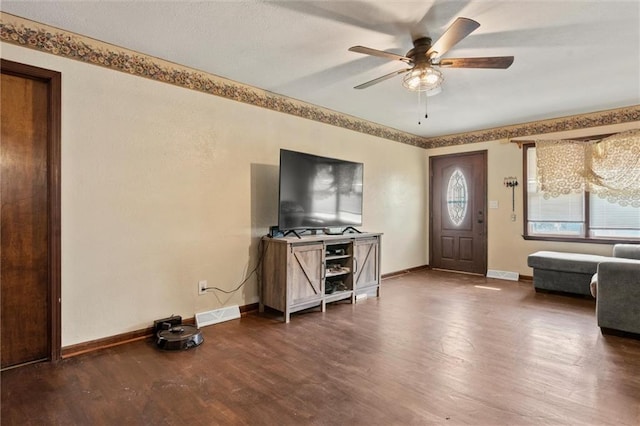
(217, 315)
(503, 275)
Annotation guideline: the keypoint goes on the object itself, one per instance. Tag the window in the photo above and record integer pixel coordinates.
(574, 216)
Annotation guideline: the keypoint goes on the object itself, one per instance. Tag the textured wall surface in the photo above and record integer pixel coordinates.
(164, 186)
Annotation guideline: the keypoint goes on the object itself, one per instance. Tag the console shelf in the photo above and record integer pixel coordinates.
(344, 256)
(338, 295)
(331, 273)
(301, 273)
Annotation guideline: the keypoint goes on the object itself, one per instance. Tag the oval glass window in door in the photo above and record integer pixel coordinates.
(457, 197)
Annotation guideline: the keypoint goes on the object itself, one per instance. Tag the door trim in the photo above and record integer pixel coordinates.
(485, 166)
(53, 79)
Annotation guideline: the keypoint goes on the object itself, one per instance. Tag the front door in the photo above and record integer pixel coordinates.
(458, 226)
(30, 219)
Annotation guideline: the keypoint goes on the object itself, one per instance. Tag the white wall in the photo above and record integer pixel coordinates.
(507, 249)
(163, 186)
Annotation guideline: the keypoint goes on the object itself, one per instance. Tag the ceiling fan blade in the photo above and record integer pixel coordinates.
(380, 79)
(460, 28)
(501, 62)
(379, 53)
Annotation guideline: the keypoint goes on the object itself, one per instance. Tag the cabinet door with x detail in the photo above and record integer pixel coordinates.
(306, 266)
(366, 260)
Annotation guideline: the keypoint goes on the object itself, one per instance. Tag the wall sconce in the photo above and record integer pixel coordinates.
(512, 182)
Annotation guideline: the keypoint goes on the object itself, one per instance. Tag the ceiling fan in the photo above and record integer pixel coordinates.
(421, 76)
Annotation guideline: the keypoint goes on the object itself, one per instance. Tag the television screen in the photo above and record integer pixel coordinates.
(318, 192)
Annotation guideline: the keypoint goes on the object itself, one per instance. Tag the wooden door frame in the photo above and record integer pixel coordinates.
(53, 80)
(485, 166)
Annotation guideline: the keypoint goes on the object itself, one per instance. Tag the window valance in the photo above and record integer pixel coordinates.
(609, 167)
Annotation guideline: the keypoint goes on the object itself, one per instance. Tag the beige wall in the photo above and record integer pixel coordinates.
(507, 250)
(163, 186)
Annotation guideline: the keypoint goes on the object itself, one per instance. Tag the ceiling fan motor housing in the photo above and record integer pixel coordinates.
(419, 52)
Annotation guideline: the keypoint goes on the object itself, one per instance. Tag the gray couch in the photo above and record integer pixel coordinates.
(564, 272)
(616, 288)
(572, 272)
(614, 282)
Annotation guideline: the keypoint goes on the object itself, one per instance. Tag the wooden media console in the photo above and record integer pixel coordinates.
(301, 273)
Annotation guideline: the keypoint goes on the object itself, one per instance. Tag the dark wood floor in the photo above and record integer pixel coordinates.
(434, 349)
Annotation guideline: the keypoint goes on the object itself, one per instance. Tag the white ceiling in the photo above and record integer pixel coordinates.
(571, 56)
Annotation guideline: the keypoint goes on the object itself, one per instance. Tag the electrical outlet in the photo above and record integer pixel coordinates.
(202, 285)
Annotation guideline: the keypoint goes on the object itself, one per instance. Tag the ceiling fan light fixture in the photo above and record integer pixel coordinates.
(423, 79)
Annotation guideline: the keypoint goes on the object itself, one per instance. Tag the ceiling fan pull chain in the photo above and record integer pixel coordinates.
(419, 122)
(426, 115)
(426, 97)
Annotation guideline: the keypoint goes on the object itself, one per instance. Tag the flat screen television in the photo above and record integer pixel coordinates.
(318, 192)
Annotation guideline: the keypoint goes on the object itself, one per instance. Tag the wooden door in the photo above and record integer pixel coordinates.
(365, 254)
(29, 216)
(458, 194)
(307, 272)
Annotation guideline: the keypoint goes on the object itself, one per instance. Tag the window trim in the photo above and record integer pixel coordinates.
(587, 213)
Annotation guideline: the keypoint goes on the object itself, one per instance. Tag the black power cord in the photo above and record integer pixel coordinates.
(253, 271)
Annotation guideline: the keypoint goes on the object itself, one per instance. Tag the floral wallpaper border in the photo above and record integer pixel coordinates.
(44, 38)
(582, 121)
